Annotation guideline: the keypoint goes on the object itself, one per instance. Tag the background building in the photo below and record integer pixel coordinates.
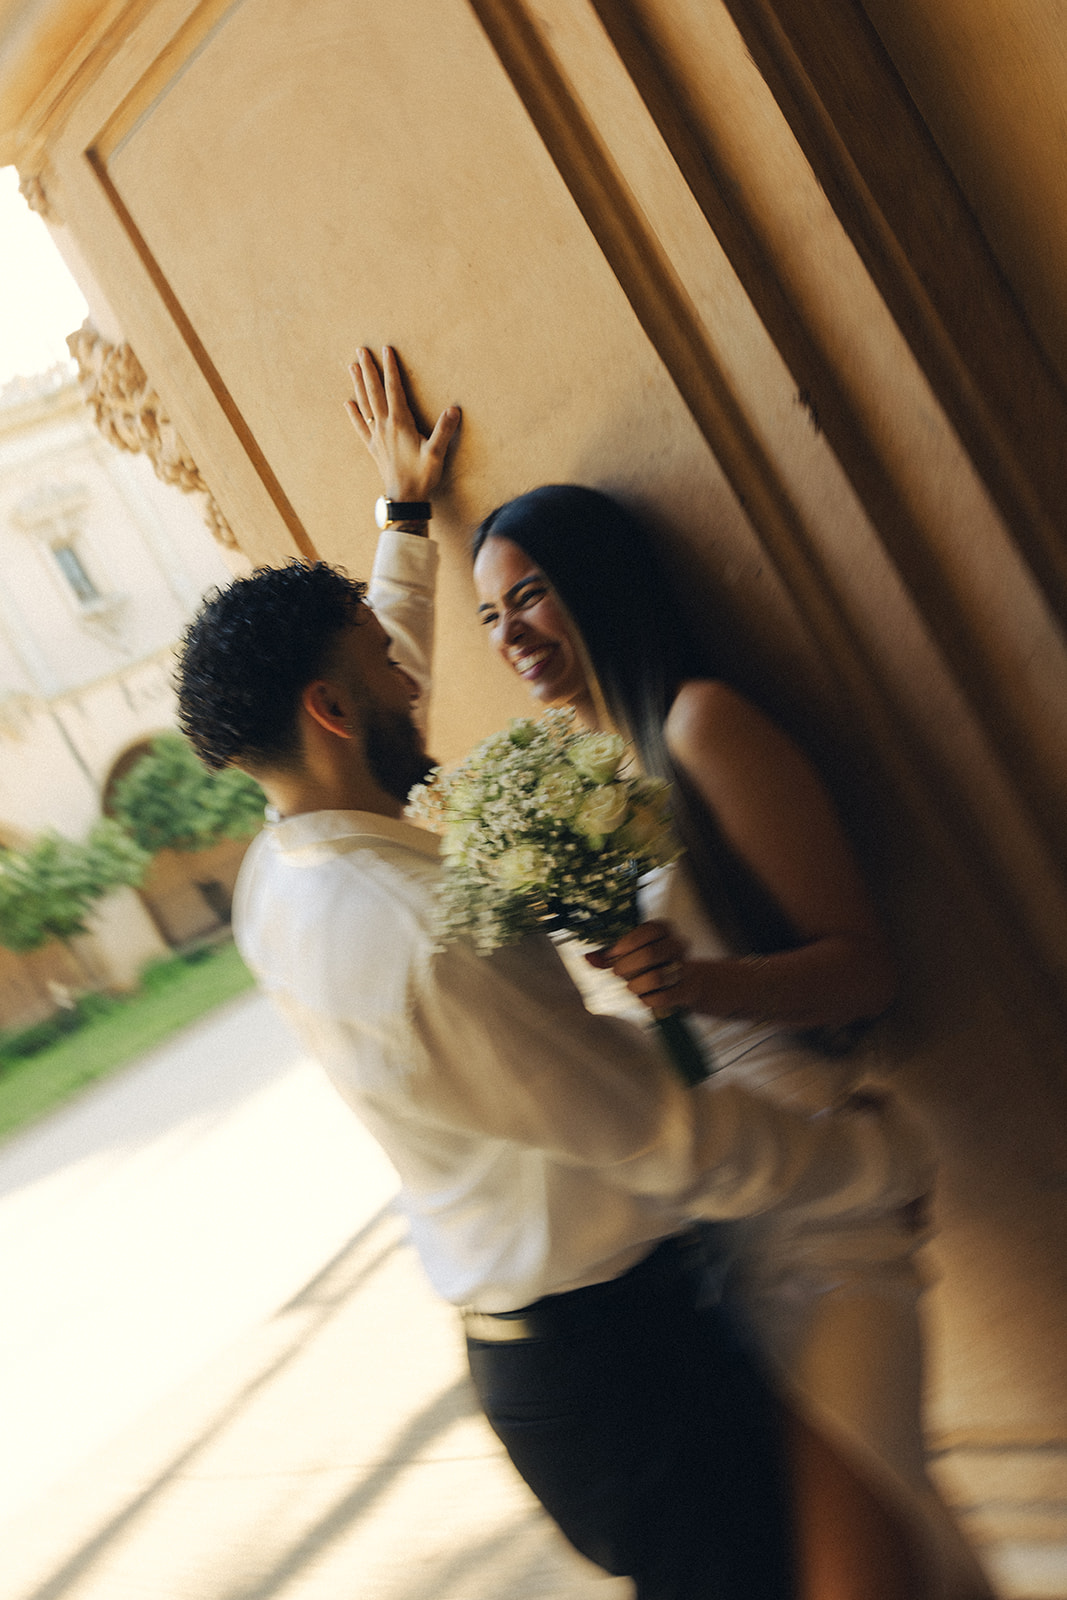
(101, 565)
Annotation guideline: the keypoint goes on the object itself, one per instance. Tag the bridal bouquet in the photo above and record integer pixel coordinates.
(544, 831)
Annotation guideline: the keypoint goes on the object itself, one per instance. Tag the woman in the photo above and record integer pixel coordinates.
(768, 938)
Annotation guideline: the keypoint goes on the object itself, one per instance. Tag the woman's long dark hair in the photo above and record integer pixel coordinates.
(608, 574)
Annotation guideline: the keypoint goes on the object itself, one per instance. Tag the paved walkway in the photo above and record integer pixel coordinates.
(222, 1375)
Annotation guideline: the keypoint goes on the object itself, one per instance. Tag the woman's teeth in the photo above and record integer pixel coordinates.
(533, 659)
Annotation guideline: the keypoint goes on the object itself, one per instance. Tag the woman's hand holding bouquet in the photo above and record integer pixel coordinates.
(544, 831)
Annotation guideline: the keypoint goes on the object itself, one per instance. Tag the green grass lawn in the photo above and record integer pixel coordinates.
(173, 993)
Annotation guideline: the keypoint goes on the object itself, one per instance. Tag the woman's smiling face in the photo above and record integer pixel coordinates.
(527, 625)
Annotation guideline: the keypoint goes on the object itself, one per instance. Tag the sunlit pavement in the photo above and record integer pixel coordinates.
(222, 1374)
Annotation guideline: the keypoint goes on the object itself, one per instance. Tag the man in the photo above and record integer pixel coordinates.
(552, 1165)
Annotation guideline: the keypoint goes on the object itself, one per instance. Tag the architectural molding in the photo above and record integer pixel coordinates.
(33, 191)
(48, 47)
(904, 211)
(131, 416)
(51, 503)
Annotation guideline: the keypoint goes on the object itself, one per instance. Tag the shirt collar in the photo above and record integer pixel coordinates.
(310, 828)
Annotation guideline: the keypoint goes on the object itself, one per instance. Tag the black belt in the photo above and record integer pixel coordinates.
(548, 1317)
(505, 1327)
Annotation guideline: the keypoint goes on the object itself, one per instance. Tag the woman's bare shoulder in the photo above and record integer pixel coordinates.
(771, 805)
(708, 715)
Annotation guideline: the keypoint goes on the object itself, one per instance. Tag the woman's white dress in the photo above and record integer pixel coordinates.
(835, 1308)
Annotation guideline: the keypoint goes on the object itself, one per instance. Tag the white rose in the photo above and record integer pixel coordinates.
(641, 828)
(648, 833)
(597, 755)
(559, 790)
(522, 866)
(602, 811)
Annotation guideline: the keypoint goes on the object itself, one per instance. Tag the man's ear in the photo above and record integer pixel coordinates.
(321, 700)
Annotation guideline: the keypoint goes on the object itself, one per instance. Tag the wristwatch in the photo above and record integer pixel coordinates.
(386, 512)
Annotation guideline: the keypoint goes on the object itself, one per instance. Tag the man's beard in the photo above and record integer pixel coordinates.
(394, 751)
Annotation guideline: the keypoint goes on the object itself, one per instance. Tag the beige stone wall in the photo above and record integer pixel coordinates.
(791, 277)
(189, 893)
(28, 984)
(121, 938)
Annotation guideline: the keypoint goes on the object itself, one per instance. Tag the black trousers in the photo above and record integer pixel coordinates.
(640, 1418)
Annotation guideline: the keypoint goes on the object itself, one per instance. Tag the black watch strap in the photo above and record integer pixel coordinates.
(388, 511)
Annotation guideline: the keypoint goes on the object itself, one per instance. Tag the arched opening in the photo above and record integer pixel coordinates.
(120, 767)
(187, 893)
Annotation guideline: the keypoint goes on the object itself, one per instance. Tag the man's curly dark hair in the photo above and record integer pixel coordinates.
(247, 657)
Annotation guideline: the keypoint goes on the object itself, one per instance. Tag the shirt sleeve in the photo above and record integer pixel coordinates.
(505, 1048)
(402, 586)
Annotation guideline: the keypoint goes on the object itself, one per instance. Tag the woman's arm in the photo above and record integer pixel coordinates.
(775, 812)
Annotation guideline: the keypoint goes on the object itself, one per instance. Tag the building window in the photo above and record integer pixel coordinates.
(70, 564)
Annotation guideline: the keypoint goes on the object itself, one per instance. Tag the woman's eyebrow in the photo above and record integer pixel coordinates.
(524, 583)
(516, 588)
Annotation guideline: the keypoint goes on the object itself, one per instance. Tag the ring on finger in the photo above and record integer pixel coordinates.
(672, 971)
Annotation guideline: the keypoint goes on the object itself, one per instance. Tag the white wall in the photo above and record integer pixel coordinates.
(84, 676)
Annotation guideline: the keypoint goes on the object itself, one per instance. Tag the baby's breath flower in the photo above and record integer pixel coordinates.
(457, 838)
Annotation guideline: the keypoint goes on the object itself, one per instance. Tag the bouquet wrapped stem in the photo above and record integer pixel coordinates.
(686, 1055)
(544, 832)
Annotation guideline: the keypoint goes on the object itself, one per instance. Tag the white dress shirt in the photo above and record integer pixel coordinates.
(540, 1147)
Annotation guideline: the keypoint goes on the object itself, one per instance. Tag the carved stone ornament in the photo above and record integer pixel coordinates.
(32, 190)
(131, 416)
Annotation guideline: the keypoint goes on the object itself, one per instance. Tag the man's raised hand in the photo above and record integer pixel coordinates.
(409, 464)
